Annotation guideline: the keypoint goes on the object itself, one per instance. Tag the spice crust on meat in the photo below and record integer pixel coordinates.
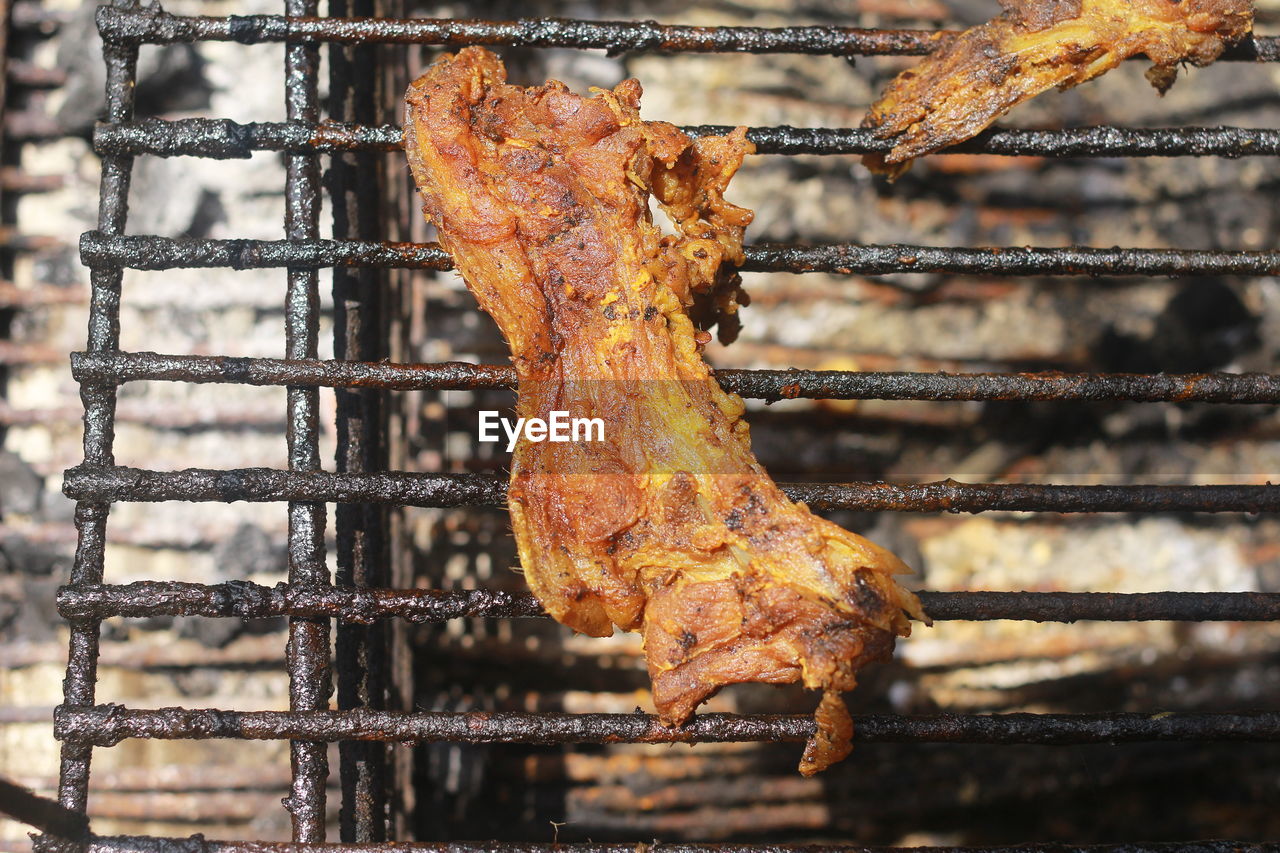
(1036, 45)
(670, 526)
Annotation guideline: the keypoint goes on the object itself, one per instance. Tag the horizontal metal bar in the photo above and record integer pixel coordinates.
(107, 725)
(152, 26)
(245, 600)
(225, 139)
(97, 368)
(615, 36)
(199, 844)
(405, 488)
(848, 258)
(402, 488)
(953, 496)
(162, 253)
(115, 368)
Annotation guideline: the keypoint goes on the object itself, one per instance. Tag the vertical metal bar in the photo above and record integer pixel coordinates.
(399, 222)
(78, 687)
(308, 656)
(359, 335)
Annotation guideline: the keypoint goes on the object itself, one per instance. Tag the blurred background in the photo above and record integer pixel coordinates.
(886, 793)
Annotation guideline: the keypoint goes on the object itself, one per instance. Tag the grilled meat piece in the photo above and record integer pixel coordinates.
(1035, 45)
(668, 526)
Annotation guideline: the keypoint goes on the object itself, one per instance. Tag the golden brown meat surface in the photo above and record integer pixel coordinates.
(1035, 45)
(669, 525)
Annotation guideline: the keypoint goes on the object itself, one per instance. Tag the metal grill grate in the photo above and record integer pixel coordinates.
(362, 488)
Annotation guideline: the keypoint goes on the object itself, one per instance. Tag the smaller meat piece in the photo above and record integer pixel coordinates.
(1035, 45)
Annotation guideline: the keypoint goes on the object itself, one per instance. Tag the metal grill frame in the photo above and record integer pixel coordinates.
(361, 600)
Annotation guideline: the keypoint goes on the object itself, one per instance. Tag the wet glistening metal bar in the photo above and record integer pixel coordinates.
(307, 654)
(107, 725)
(226, 139)
(163, 253)
(754, 384)
(159, 27)
(245, 600)
(408, 488)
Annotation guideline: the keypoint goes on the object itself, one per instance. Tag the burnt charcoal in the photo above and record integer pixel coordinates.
(969, 13)
(249, 551)
(171, 78)
(60, 267)
(9, 609)
(1205, 326)
(22, 556)
(175, 83)
(214, 633)
(154, 623)
(209, 211)
(35, 618)
(20, 486)
(1269, 576)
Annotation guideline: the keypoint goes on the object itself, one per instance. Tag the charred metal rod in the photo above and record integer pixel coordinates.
(225, 139)
(45, 814)
(80, 684)
(881, 260)
(199, 844)
(108, 368)
(614, 36)
(162, 253)
(404, 488)
(245, 600)
(107, 725)
(307, 654)
(152, 26)
(953, 496)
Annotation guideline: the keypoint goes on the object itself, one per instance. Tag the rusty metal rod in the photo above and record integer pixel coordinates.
(199, 844)
(241, 599)
(226, 139)
(98, 250)
(107, 725)
(152, 26)
(109, 368)
(404, 488)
